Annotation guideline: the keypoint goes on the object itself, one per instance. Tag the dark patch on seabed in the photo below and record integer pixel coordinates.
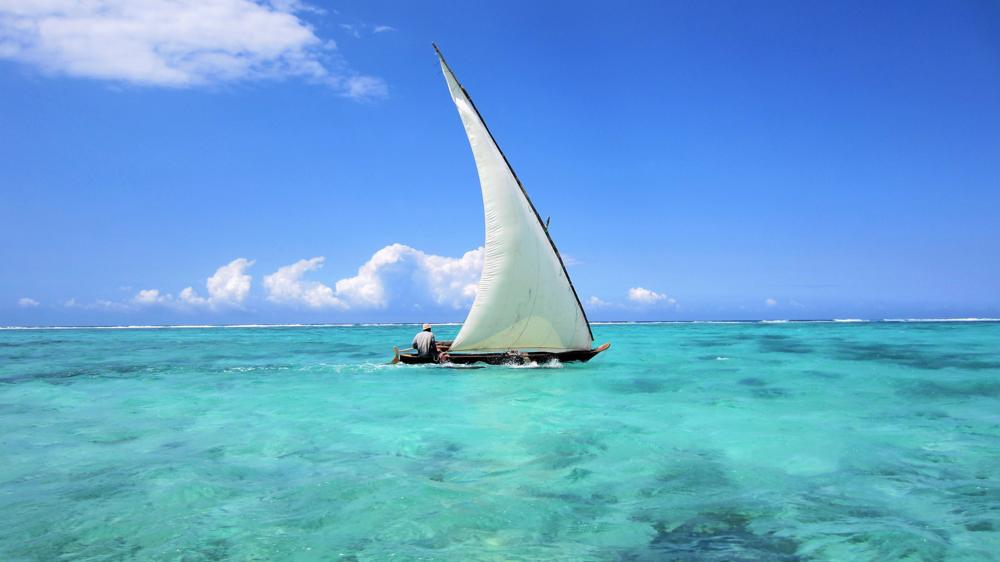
(639, 386)
(759, 388)
(783, 344)
(822, 374)
(108, 370)
(324, 348)
(772, 392)
(915, 356)
(722, 536)
(980, 526)
(49, 377)
(932, 389)
(719, 342)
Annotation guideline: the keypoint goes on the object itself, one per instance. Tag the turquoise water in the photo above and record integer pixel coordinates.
(693, 442)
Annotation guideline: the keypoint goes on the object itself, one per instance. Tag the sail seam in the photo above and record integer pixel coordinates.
(534, 301)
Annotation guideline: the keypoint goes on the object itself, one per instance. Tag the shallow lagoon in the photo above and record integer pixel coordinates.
(694, 442)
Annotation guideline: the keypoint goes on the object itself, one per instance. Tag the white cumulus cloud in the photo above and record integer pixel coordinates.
(395, 275)
(287, 286)
(229, 285)
(771, 302)
(407, 276)
(645, 296)
(227, 288)
(174, 43)
(150, 296)
(189, 297)
(27, 303)
(596, 302)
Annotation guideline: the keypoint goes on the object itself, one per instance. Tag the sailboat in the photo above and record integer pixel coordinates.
(526, 308)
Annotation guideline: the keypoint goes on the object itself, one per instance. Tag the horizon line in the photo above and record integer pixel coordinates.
(606, 322)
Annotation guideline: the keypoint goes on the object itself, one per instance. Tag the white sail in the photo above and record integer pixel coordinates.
(525, 299)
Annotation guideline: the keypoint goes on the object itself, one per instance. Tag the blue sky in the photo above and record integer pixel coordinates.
(699, 160)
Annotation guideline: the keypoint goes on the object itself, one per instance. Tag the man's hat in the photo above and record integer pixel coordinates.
(427, 326)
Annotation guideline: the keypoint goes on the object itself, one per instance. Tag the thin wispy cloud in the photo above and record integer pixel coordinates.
(364, 87)
(102, 305)
(771, 303)
(352, 29)
(27, 303)
(355, 29)
(179, 44)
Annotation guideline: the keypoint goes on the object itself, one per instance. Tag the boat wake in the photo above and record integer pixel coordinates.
(553, 364)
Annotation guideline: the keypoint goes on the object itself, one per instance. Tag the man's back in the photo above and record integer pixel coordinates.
(425, 344)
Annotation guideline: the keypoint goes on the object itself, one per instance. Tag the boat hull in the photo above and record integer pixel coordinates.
(507, 358)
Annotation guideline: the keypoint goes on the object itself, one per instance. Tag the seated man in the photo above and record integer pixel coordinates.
(425, 344)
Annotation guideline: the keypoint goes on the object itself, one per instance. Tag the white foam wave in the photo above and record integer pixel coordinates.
(528, 365)
(941, 320)
(140, 327)
(407, 324)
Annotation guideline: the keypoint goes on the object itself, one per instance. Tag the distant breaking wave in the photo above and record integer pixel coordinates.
(202, 326)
